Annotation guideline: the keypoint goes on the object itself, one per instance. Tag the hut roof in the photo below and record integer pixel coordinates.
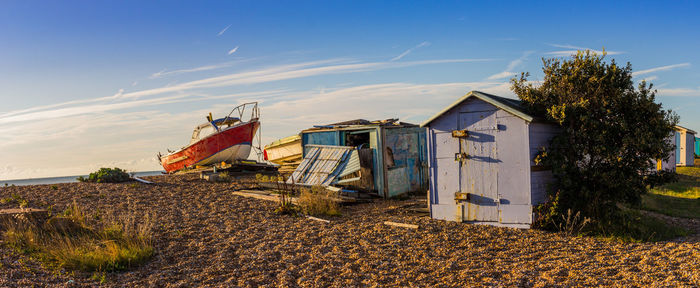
(512, 106)
(681, 128)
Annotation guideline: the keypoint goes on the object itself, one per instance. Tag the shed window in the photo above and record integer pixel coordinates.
(357, 139)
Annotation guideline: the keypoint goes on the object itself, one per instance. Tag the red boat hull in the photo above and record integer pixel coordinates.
(230, 144)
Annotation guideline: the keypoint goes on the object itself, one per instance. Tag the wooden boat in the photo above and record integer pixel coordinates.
(284, 150)
(226, 139)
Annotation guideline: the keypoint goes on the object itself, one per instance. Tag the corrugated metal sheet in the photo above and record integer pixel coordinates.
(352, 165)
(321, 165)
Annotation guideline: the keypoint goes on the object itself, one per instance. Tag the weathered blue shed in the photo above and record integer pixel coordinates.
(480, 156)
(398, 152)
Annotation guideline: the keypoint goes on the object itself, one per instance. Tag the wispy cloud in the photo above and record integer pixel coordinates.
(511, 66)
(224, 30)
(284, 112)
(659, 69)
(650, 78)
(688, 92)
(270, 74)
(233, 50)
(164, 72)
(572, 50)
(423, 44)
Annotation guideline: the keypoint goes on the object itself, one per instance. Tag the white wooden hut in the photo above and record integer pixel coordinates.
(480, 157)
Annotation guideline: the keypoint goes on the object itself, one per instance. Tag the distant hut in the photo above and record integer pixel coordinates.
(685, 146)
(480, 157)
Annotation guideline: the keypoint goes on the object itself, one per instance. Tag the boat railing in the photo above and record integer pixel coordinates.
(240, 111)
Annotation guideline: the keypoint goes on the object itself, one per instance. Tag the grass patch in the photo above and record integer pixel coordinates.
(633, 226)
(70, 241)
(318, 201)
(21, 202)
(677, 199)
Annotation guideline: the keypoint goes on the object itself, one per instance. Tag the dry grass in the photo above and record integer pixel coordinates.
(318, 201)
(70, 241)
(572, 224)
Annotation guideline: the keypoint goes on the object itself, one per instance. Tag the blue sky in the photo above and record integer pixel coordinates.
(87, 84)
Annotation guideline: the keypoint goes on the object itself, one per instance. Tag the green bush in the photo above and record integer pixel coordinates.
(610, 132)
(106, 175)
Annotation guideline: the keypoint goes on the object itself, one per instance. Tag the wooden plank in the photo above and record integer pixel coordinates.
(318, 219)
(402, 225)
(141, 180)
(26, 214)
(274, 198)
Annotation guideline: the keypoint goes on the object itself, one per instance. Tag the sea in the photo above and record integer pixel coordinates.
(66, 179)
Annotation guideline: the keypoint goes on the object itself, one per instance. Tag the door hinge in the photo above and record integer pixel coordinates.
(462, 196)
(460, 133)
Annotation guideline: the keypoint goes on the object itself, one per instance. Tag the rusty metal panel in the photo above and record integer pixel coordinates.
(403, 149)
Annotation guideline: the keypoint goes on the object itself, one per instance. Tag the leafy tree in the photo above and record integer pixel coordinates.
(610, 133)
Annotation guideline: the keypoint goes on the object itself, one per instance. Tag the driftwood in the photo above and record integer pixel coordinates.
(18, 215)
(318, 219)
(269, 197)
(141, 180)
(403, 225)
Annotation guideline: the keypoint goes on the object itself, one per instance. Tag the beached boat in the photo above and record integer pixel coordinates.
(226, 139)
(284, 150)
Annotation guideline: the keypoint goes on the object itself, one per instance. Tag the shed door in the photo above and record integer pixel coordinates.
(479, 169)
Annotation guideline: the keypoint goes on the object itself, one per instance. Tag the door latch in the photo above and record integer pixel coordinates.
(461, 156)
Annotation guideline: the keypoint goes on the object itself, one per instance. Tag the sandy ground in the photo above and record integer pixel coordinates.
(205, 236)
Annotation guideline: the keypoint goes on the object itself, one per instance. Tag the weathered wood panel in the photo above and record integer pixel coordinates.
(475, 105)
(514, 178)
(479, 169)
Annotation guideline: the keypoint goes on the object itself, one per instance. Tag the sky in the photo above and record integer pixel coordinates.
(90, 84)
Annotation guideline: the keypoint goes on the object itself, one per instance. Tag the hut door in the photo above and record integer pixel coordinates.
(479, 166)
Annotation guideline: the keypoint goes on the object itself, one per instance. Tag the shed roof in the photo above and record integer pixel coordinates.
(511, 106)
(681, 128)
(359, 124)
